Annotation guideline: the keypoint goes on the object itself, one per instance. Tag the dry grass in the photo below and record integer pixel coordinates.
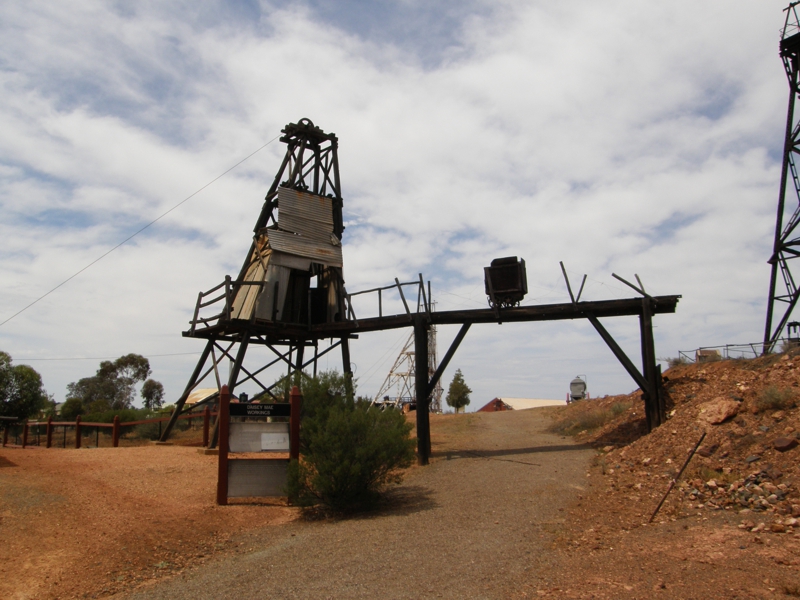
(775, 398)
(586, 417)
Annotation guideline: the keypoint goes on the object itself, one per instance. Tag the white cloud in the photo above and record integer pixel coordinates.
(627, 137)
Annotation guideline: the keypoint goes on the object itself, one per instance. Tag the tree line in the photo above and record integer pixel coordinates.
(111, 388)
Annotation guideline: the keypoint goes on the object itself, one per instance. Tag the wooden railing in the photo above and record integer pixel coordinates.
(423, 298)
(34, 427)
(227, 290)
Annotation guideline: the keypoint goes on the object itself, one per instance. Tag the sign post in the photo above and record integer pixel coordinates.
(248, 465)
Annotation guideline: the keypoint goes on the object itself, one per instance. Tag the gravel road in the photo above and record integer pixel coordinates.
(470, 525)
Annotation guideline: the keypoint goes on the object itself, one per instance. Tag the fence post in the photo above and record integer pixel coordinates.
(222, 445)
(294, 423)
(115, 432)
(49, 432)
(5, 434)
(24, 434)
(77, 432)
(206, 422)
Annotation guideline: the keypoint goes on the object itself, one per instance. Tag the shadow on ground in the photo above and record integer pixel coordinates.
(400, 500)
(4, 462)
(508, 451)
(623, 434)
(406, 500)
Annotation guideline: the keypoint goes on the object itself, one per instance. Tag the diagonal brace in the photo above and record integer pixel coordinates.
(450, 352)
(619, 353)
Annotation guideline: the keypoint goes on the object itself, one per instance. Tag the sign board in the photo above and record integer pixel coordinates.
(259, 437)
(260, 410)
(256, 478)
(245, 467)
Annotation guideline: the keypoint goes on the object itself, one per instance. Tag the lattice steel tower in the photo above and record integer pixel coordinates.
(783, 297)
(402, 377)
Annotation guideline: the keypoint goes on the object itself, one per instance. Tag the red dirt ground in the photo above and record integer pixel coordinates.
(90, 522)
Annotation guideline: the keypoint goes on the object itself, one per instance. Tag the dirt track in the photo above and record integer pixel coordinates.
(513, 513)
(467, 527)
(91, 523)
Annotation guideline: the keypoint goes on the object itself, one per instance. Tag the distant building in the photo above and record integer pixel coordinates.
(709, 355)
(500, 404)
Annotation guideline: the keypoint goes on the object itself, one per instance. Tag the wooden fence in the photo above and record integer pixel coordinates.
(30, 428)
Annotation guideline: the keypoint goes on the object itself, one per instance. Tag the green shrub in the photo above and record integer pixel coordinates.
(71, 409)
(349, 451)
(774, 398)
(125, 415)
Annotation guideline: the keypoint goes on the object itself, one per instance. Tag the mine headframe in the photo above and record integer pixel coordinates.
(293, 270)
(291, 280)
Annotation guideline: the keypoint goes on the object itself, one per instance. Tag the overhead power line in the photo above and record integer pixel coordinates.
(110, 357)
(133, 235)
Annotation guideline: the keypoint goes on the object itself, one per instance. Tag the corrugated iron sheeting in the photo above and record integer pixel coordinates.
(319, 251)
(307, 214)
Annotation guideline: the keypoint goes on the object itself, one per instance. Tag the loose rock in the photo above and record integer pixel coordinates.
(718, 410)
(783, 444)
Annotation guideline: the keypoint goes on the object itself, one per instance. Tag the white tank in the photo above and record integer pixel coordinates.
(577, 389)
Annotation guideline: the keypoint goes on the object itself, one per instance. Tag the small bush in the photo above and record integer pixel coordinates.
(676, 361)
(586, 421)
(146, 431)
(349, 451)
(774, 398)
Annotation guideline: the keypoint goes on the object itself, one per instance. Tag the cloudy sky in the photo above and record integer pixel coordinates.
(617, 136)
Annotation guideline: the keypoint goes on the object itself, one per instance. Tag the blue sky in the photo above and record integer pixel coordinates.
(621, 137)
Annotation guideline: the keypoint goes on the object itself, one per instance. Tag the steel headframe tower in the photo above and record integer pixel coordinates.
(402, 376)
(433, 364)
(787, 242)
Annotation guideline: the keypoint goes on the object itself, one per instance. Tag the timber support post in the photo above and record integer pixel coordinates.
(649, 381)
(206, 423)
(295, 398)
(655, 408)
(347, 367)
(223, 420)
(237, 366)
(422, 389)
(49, 432)
(115, 432)
(189, 387)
